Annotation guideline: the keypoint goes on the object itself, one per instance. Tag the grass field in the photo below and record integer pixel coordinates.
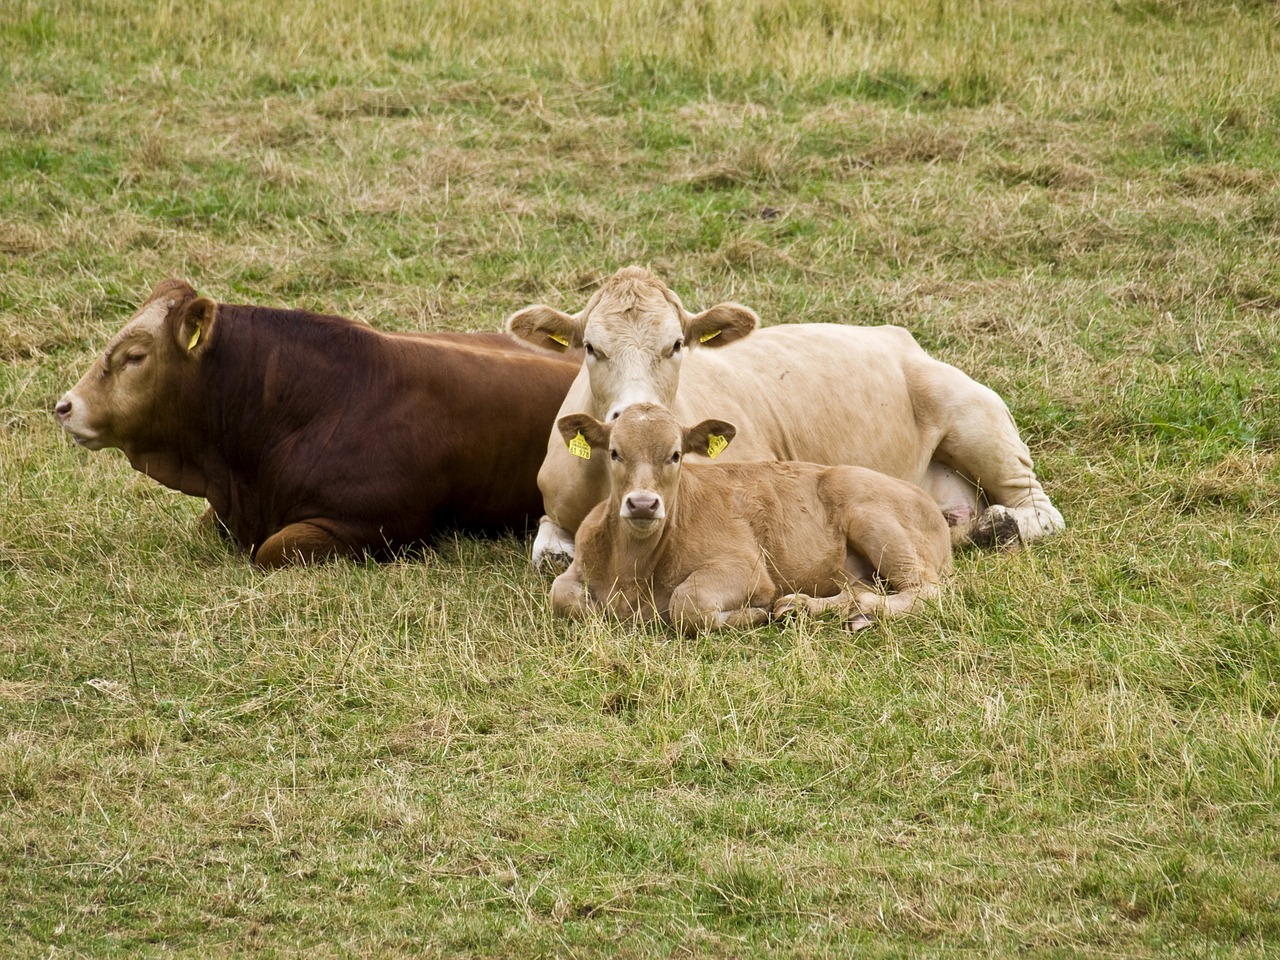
(1075, 753)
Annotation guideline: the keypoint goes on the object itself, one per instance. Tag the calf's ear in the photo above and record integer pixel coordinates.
(195, 326)
(709, 438)
(721, 324)
(583, 433)
(546, 328)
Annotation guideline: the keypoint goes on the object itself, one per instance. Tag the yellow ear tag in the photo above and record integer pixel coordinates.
(710, 336)
(195, 338)
(715, 445)
(560, 340)
(579, 447)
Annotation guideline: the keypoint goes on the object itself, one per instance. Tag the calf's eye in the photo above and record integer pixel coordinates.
(675, 457)
(615, 456)
(675, 347)
(591, 351)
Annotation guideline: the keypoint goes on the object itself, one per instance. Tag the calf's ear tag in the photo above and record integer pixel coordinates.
(715, 445)
(710, 336)
(560, 340)
(579, 447)
(195, 338)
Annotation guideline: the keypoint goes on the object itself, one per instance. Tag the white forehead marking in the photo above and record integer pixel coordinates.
(151, 317)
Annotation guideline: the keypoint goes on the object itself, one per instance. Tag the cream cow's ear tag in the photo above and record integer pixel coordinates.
(579, 447)
(703, 339)
(715, 445)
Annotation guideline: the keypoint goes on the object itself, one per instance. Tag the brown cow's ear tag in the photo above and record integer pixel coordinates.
(560, 340)
(715, 445)
(703, 339)
(195, 338)
(579, 447)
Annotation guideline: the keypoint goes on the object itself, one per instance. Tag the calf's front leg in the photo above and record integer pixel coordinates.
(714, 598)
(569, 597)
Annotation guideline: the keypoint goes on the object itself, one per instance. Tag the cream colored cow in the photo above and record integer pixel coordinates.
(826, 393)
(706, 546)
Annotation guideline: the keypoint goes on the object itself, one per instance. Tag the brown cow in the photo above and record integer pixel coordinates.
(314, 436)
(704, 546)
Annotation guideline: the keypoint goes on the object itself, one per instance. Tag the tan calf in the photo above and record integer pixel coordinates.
(703, 546)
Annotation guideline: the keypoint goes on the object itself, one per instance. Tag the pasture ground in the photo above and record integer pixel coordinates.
(1075, 753)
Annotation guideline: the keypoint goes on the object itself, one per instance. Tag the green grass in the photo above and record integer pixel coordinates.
(1075, 753)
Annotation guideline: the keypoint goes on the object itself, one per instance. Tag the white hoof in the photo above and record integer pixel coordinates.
(553, 547)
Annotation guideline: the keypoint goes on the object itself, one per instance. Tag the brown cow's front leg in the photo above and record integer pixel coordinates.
(304, 542)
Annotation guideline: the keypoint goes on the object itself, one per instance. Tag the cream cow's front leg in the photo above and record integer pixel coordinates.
(552, 547)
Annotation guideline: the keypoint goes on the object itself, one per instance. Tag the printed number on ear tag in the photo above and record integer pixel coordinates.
(579, 447)
(715, 445)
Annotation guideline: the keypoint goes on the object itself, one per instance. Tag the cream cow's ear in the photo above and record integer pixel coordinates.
(709, 438)
(546, 328)
(583, 434)
(721, 324)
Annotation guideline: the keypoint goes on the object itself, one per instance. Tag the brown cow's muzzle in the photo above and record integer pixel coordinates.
(67, 411)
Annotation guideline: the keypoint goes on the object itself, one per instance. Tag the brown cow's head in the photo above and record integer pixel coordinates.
(645, 445)
(635, 332)
(127, 398)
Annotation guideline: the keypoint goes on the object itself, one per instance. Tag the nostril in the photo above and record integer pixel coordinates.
(63, 409)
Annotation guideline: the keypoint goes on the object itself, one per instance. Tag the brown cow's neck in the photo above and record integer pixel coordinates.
(172, 469)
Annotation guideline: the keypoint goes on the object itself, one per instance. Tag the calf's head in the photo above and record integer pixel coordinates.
(645, 446)
(635, 332)
(129, 397)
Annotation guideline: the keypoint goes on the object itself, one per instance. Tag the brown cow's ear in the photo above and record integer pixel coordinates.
(196, 326)
(584, 434)
(721, 324)
(709, 438)
(546, 327)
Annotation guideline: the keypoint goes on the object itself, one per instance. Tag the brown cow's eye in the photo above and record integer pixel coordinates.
(134, 358)
(675, 457)
(615, 456)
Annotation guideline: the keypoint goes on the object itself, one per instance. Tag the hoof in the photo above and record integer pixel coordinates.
(859, 621)
(997, 528)
(552, 562)
(788, 606)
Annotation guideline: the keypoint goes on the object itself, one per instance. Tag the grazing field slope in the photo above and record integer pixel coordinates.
(1075, 753)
